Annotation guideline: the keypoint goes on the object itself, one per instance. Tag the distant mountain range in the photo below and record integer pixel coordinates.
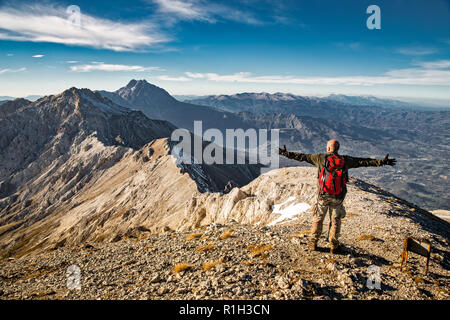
(366, 126)
(369, 101)
(420, 124)
(185, 97)
(362, 100)
(31, 98)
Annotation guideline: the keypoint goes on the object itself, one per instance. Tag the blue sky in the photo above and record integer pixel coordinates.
(314, 47)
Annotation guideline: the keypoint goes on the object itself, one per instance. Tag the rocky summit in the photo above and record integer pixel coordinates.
(250, 243)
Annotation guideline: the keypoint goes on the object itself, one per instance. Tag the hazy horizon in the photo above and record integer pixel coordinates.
(430, 102)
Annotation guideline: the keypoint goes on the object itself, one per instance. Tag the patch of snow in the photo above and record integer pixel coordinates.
(187, 163)
(288, 212)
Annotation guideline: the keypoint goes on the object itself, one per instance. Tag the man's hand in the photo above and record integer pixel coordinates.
(390, 162)
(282, 151)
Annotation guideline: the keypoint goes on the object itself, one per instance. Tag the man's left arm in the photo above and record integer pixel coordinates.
(353, 162)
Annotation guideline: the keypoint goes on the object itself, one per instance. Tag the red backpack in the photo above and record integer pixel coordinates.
(333, 176)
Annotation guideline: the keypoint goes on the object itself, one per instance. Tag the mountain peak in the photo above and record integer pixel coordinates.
(140, 84)
(132, 83)
(74, 92)
(141, 90)
(135, 83)
(86, 100)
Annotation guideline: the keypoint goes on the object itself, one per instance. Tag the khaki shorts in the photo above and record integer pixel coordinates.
(324, 204)
(337, 212)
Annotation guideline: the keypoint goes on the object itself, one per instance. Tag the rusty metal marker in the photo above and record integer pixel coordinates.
(421, 247)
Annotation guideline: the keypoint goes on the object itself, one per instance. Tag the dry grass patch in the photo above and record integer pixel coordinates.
(405, 269)
(257, 250)
(299, 234)
(193, 236)
(419, 280)
(395, 266)
(266, 263)
(227, 234)
(108, 295)
(206, 247)
(442, 290)
(325, 271)
(182, 267)
(366, 237)
(247, 262)
(209, 265)
(140, 238)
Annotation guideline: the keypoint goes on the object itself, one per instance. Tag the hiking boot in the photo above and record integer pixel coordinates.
(335, 248)
(313, 245)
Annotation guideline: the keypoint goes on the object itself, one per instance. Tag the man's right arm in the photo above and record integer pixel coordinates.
(313, 159)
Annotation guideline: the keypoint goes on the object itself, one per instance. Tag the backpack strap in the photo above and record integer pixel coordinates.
(326, 165)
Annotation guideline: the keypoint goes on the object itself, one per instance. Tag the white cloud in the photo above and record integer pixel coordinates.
(408, 76)
(72, 61)
(204, 11)
(100, 66)
(168, 78)
(12, 70)
(9, 54)
(38, 56)
(194, 75)
(49, 24)
(181, 8)
(440, 64)
(416, 51)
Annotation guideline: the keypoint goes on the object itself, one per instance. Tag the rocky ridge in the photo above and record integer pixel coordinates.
(77, 167)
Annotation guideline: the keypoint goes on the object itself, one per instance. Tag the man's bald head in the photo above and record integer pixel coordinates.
(332, 146)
